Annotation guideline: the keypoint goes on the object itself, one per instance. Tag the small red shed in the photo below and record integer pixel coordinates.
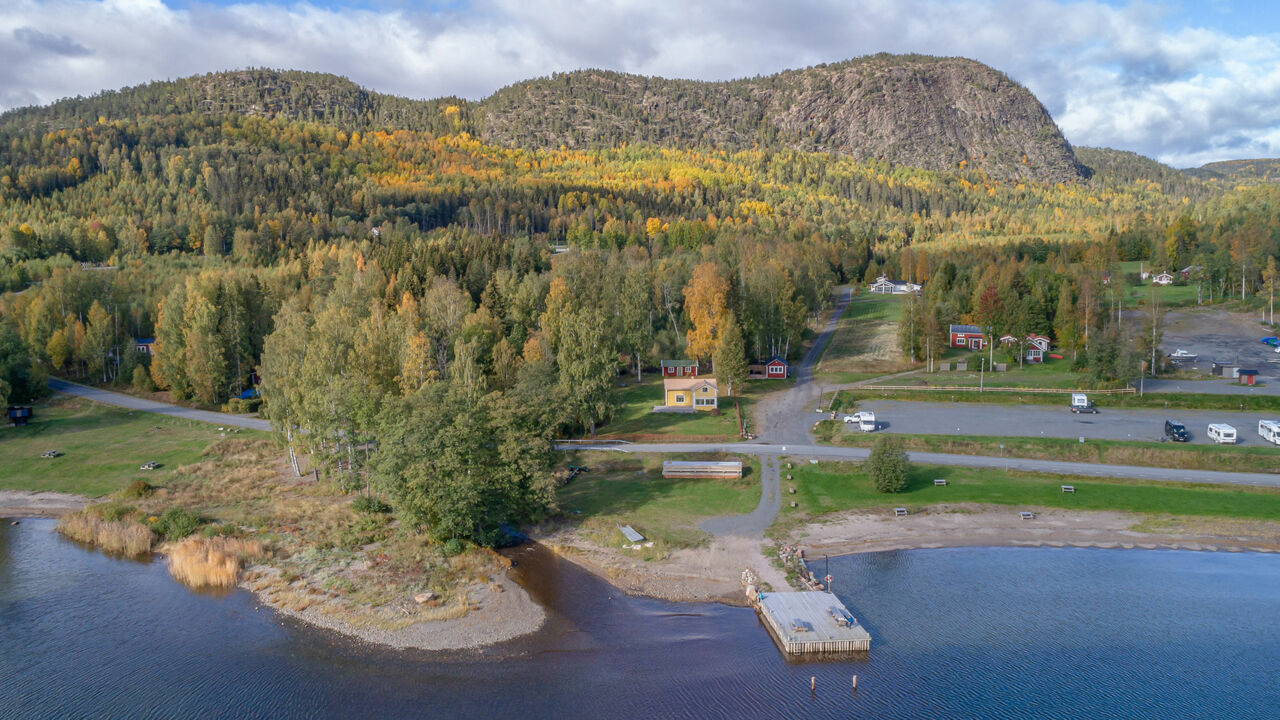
(1248, 377)
(776, 368)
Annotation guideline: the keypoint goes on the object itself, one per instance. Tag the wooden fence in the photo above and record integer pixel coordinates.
(974, 388)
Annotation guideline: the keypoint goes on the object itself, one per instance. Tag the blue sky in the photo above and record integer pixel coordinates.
(1184, 82)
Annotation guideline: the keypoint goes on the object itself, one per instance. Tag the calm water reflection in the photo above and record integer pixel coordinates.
(966, 633)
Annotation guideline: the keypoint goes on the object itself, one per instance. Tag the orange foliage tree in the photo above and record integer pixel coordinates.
(706, 301)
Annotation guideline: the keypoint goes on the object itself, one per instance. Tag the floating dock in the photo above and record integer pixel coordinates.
(811, 622)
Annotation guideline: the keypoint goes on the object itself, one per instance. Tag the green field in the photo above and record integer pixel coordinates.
(631, 491)
(1166, 295)
(635, 420)
(1112, 452)
(101, 445)
(865, 342)
(833, 487)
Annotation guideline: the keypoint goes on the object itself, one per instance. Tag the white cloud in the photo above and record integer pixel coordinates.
(1110, 76)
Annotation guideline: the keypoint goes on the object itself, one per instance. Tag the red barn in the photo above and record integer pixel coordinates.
(679, 368)
(967, 336)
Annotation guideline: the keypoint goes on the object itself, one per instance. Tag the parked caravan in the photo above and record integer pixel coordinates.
(1222, 434)
(1269, 430)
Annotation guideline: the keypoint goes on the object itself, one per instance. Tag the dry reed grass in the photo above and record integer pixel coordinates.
(125, 537)
(211, 562)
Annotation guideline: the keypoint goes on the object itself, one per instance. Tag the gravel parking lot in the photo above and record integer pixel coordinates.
(924, 418)
(1218, 336)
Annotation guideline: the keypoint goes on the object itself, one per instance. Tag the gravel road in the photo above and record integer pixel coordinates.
(151, 406)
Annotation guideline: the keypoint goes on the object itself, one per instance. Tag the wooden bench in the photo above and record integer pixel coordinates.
(900, 512)
(1069, 488)
(1027, 515)
(939, 482)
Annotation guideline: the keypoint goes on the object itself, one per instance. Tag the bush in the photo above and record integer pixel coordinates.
(368, 504)
(453, 546)
(176, 523)
(137, 489)
(142, 380)
(888, 465)
(113, 510)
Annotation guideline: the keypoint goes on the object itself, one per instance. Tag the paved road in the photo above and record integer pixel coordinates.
(1041, 466)
(133, 403)
(944, 418)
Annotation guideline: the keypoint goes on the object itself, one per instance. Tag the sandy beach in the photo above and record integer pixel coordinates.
(23, 503)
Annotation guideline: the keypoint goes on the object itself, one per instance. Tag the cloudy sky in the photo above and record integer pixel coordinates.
(1183, 81)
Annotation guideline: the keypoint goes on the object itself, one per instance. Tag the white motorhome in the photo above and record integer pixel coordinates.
(866, 421)
(1222, 434)
(1269, 430)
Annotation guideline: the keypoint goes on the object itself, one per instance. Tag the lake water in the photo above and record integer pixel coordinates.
(962, 633)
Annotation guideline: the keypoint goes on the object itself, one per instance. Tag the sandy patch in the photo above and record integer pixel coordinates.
(976, 525)
(705, 574)
(23, 503)
(503, 614)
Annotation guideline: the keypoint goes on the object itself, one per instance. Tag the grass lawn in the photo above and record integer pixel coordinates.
(833, 487)
(635, 420)
(865, 343)
(102, 447)
(1051, 374)
(1111, 452)
(1167, 295)
(631, 491)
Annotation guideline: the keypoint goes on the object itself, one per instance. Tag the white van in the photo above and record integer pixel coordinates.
(1269, 430)
(1222, 434)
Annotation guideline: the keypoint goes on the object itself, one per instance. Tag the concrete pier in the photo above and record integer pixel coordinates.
(811, 622)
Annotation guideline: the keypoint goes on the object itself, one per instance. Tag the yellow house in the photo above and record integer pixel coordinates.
(697, 393)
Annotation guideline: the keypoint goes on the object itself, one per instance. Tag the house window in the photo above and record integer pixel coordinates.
(705, 401)
(679, 399)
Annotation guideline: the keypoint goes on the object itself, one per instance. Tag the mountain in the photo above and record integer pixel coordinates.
(934, 113)
(1239, 171)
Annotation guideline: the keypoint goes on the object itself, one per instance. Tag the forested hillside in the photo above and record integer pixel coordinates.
(933, 113)
(390, 281)
(1234, 172)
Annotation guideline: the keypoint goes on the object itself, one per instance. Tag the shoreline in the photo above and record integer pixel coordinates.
(711, 573)
(503, 614)
(19, 504)
(498, 612)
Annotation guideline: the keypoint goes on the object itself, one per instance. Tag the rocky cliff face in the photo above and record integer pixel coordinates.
(934, 113)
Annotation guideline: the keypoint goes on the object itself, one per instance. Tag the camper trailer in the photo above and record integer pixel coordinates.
(1222, 434)
(1269, 430)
